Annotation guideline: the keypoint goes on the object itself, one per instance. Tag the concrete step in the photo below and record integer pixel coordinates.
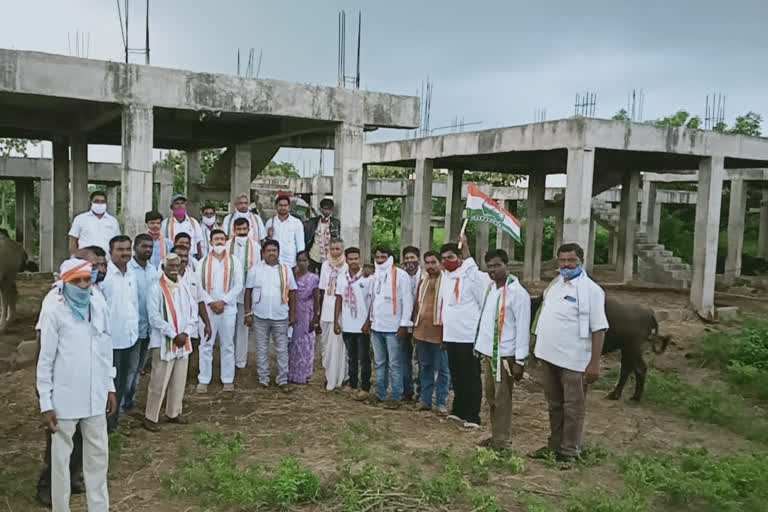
(649, 247)
(677, 266)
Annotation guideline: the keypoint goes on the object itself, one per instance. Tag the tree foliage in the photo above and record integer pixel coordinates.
(748, 124)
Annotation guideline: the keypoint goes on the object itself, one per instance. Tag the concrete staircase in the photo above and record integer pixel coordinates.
(655, 264)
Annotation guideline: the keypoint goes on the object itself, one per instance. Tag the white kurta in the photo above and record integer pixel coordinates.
(290, 235)
(186, 316)
(461, 314)
(515, 332)
(334, 351)
(92, 230)
(171, 227)
(122, 296)
(256, 230)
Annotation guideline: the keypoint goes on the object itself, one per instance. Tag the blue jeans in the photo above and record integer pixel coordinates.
(125, 361)
(386, 352)
(406, 362)
(133, 385)
(433, 359)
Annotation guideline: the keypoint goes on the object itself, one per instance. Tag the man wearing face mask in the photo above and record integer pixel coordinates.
(207, 225)
(570, 329)
(181, 222)
(247, 252)
(318, 234)
(256, 230)
(75, 383)
(94, 227)
(411, 256)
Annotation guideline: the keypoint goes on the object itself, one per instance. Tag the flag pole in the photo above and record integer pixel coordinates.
(463, 228)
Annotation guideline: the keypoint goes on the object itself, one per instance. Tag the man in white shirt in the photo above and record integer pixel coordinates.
(122, 297)
(353, 298)
(184, 240)
(462, 290)
(389, 319)
(334, 352)
(207, 225)
(161, 246)
(502, 338)
(181, 222)
(248, 253)
(270, 308)
(221, 276)
(256, 230)
(94, 227)
(75, 384)
(411, 260)
(570, 330)
(173, 316)
(191, 280)
(287, 230)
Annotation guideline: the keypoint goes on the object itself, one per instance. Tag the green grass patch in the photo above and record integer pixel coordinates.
(742, 359)
(217, 478)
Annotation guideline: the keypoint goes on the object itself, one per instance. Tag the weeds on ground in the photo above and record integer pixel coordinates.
(743, 360)
(358, 438)
(217, 478)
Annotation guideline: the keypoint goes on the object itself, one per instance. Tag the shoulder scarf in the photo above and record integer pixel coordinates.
(170, 227)
(421, 293)
(379, 282)
(285, 280)
(325, 236)
(249, 259)
(229, 265)
(350, 299)
(253, 226)
(498, 323)
(333, 278)
(582, 290)
(169, 309)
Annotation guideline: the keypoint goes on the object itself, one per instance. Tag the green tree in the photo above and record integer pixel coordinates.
(284, 169)
(748, 124)
(621, 115)
(679, 119)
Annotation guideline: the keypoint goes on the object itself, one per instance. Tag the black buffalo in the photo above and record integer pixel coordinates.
(631, 325)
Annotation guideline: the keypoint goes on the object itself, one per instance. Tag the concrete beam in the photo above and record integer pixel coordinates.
(627, 220)
(112, 82)
(136, 185)
(693, 176)
(40, 168)
(577, 211)
(711, 175)
(534, 226)
(736, 212)
(422, 204)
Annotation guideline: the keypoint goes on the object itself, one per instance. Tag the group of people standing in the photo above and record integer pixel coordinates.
(119, 303)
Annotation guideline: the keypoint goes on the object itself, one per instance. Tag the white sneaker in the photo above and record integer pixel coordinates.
(202, 388)
(468, 425)
(228, 387)
(453, 417)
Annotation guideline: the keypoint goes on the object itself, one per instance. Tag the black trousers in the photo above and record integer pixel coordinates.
(466, 380)
(75, 462)
(358, 357)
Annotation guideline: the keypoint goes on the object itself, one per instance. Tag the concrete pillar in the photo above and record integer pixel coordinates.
(60, 204)
(708, 197)
(46, 225)
(482, 241)
(590, 250)
(762, 239)
(406, 222)
(627, 219)
(558, 232)
(736, 212)
(453, 205)
(164, 175)
(534, 227)
(349, 180)
(422, 204)
(651, 211)
(79, 175)
(240, 173)
(317, 196)
(25, 214)
(577, 210)
(366, 232)
(508, 243)
(136, 184)
(613, 251)
(192, 180)
(112, 199)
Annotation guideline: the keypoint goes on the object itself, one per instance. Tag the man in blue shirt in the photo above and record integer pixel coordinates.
(146, 275)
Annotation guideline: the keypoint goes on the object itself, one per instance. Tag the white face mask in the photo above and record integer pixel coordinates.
(219, 249)
(209, 221)
(99, 209)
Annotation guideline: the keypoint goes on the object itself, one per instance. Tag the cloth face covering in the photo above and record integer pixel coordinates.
(99, 209)
(78, 299)
(180, 214)
(450, 266)
(571, 273)
(209, 221)
(218, 249)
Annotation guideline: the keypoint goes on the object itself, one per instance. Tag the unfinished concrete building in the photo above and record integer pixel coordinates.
(595, 155)
(74, 102)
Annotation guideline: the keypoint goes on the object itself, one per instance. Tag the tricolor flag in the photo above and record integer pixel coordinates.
(299, 207)
(481, 208)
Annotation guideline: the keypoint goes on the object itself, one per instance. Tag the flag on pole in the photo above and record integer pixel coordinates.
(481, 208)
(299, 207)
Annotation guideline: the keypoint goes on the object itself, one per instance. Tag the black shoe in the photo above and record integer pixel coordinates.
(567, 461)
(44, 497)
(78, 485)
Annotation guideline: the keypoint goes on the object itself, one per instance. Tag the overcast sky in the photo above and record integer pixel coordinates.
(490, 61)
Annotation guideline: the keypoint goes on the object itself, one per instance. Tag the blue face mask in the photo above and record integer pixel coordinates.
(79, 300)
(94, 275)
(571, 273)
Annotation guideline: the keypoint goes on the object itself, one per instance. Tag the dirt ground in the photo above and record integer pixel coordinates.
(307, 422)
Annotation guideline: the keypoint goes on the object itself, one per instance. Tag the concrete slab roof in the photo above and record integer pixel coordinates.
(619, 145)
(42, 95)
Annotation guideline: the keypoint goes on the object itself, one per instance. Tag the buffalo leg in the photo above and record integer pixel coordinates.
(626, 368)
(641, 370)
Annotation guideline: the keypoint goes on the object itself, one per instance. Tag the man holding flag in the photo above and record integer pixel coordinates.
(502, 338)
